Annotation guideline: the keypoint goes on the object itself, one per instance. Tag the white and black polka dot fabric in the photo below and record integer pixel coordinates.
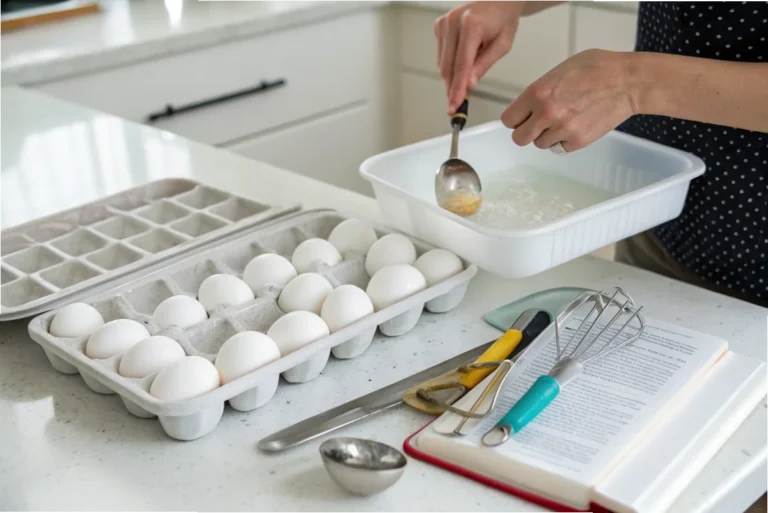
(722, 234)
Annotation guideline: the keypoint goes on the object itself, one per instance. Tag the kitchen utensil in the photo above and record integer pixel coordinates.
(363, 407)
(647, 184)
(552, 301)
(360, 408)
(618, 307)
(438, 395)
(496, 384)
(362, 467)
(457, 186)
(137, 299)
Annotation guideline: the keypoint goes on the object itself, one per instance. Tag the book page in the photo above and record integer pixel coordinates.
(656, 471)
(584, 431)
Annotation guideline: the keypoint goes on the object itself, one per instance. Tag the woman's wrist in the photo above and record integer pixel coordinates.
(642, 80)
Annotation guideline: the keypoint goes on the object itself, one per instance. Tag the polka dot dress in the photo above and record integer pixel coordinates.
(722, 233)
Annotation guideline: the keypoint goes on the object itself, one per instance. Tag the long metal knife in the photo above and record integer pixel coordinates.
(390, 396)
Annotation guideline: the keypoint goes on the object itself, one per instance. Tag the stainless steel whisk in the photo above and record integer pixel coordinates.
(571, 357)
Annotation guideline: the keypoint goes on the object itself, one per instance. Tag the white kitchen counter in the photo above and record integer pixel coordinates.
(128, 31)
(65, 447)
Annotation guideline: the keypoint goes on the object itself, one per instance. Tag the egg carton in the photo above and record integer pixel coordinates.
(192, 418)
(59, 257)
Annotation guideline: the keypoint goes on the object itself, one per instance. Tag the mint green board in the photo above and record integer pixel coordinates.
(552, 301)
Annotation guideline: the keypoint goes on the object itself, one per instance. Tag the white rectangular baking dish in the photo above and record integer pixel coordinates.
(649, 183)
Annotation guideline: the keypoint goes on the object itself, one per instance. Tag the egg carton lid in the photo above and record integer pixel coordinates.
(89, 249)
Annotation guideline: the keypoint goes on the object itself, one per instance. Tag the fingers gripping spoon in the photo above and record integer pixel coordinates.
(457, 186)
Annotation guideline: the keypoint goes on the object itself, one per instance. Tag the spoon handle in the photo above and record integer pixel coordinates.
(459, 118)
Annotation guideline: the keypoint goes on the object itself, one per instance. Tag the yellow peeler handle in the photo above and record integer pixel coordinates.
(500, 350)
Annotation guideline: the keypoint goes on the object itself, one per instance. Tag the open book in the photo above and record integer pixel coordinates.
(627, 435)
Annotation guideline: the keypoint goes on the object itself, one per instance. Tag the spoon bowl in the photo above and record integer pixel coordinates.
(458, 188)
(457, 184)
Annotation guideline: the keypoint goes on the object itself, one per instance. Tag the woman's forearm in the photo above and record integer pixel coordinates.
(725, 93)
(534, 7)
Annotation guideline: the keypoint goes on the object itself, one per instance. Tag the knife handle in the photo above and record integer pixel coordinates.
(500, 350)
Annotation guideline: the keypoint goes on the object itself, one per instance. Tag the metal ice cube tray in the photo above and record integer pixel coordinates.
(195, 417)
(62, 256)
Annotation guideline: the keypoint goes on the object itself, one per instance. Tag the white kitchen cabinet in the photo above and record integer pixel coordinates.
(330, 148)
(324, 66)
(599, 28)
(540, 44)
(423, 112)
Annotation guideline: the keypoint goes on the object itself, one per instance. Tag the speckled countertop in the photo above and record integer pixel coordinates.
(66, 448)
(128, 31)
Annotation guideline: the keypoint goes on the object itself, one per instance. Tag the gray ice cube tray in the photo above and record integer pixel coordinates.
(192, 418)
(63, 256)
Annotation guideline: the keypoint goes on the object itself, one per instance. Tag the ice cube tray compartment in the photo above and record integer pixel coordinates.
(197, 416)
(114, 237)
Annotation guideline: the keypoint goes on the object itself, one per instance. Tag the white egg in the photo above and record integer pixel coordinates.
(244, 353)
(437, 265)
(394, 283)
(353, 235)
(268, 269)
(223, 289)
(189, 377)
(181, 311)
(295, 330)
(305, 292)
(345, 305)
(389, 250)
(115, 338)
(76, 320)
(149, 357)
(308, 253)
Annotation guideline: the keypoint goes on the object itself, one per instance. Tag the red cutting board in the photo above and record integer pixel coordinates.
(504, 487)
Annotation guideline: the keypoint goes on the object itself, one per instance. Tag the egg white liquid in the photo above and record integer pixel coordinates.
(525, 197)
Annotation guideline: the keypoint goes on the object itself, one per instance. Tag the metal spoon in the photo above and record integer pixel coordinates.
(457, 186)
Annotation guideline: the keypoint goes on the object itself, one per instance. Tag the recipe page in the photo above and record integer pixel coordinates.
(596, 416)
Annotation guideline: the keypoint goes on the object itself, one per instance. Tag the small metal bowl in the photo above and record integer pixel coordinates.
(362, 467)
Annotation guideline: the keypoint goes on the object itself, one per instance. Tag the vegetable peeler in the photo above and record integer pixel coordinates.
(437, 396)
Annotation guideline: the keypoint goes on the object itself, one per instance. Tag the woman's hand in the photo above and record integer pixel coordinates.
(577, 102)
(470, 39)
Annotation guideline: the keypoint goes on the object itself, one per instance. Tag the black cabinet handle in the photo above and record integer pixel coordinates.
(171, 111)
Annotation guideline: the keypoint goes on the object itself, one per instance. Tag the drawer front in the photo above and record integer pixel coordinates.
(616, 29)
(329, 149)
(424, 116)
(541, 43)
(323, 66)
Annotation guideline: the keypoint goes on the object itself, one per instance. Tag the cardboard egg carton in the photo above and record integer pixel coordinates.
(192, 418)
(59, 257)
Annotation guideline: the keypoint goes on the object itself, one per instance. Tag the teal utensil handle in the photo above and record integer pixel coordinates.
(542, 392)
